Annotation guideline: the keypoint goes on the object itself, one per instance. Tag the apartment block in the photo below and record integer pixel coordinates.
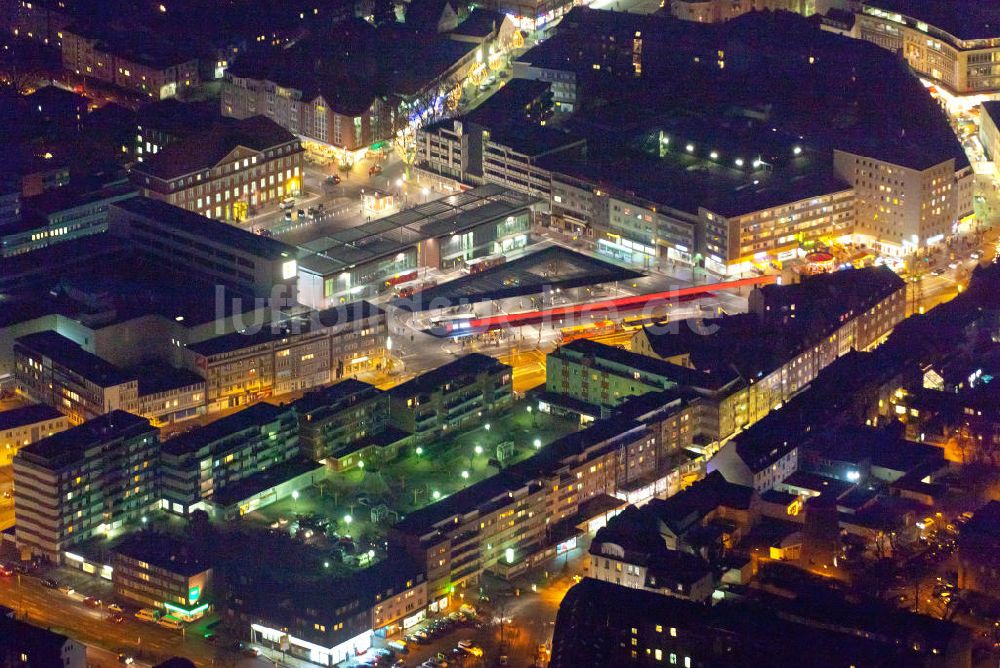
(450, 397)
(26, 425)
(88, 481)
(135, 61)
(53, 370)
(198, 465)
(344, 424)
(227, 171)
(311, 350)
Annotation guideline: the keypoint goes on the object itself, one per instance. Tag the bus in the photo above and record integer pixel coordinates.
(587, 330)
(634, 322)
(484, 263)
(448, 324)
(407, 290)
(401, 278)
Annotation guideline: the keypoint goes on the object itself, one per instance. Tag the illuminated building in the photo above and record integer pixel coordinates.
(989, 129)
(345, 424)
(312, 349)
(791, 333)
(603, 624)
(159, 124)
(979, 550)
(954, 43)
(225, 171)
(26, 425)
(198, 466)
(85, 482)
(56, 371)
(630, 551)
(186, 242)
(328, 620)
(715, 11)
(361, 263)
(451, 397)
(131, 60)
(156, 570)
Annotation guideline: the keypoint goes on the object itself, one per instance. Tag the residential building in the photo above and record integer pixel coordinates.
(347, 423)
(136, 61)
(156, 570)
(54, 370)
(226, 171)
(199, 465)
(314, 349)
(604, 624)
(159, 124)
(629, 551)
(23, 645)
(168, 395)
(954, 44)
(26, 425)
(85, 482)
(466, 390)
(186, 242)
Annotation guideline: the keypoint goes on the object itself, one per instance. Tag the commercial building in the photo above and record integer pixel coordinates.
(28, 646)
(464, 391)
(989, 128)
(61, 216)
(226, 171)
(130, 60)
(362, 262)
(159, 124)
(85, 482)
(26, 425)
(954, 43)
(604, 624)
(54, 370)
(345, 424)
(326, 620)
(168, 395)
(186, 242)
(156, 570)
(198, 466)
(296, 353)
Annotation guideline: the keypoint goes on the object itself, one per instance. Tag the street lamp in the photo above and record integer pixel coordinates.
(538, 444)
(479, 449)
(486, 426)
(436, 495)
(419, 451)
(465, 475)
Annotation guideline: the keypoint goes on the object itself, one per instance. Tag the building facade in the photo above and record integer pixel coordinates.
(158, 571)
(226, 172)
(89, 481)
(333, 421)
(23, 426)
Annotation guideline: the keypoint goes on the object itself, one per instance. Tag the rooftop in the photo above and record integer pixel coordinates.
(66, 353)
(964, 19)
(205, 150)
(192, 224)
(25, 415)
(686, 508)
(156, 378)
(67, 447)
(254, 417)
(279, 330)
(162, 550)
(456, 370)
(259, 482)
(480, 23)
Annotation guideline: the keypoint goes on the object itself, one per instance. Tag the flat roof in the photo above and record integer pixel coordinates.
(262, 481)
(25, 415)
(65, 352)
(253, 416)
(68, 446)
(432, 380)
(393, 234)
(296, 325)
(163, 551)
(190, 223)
(160, 377)
(964, 19)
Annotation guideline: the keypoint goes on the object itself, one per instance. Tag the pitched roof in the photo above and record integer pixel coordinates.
(205, 149)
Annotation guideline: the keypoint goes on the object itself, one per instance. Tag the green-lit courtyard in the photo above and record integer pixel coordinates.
(364, 503)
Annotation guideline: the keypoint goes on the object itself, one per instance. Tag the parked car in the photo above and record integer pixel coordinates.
(375, 169)
(333, 178)
(116, 618)
(50, 583)
(92, 602)
(170, 622)
(114, 607)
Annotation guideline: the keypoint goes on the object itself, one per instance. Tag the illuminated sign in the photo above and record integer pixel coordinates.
(289, 270)
(194, 593)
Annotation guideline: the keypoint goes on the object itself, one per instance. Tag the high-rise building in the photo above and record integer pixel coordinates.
(86, 482)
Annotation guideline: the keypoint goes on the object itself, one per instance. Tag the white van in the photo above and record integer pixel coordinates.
(170, 622)
(148, 614)
(288, 203)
